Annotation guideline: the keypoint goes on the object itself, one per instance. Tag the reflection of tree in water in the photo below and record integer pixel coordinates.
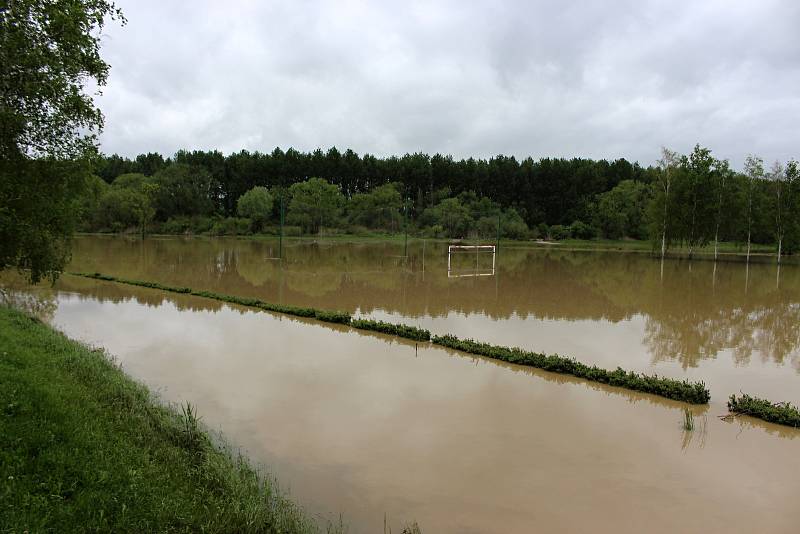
(691, 313)
(693, 323)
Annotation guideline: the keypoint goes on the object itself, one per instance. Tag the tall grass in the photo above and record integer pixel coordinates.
(688, 420)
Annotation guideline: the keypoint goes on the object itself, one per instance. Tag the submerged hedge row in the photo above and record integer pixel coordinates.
(681, 390)
(409, 332)
(781, 413)
(328, 316)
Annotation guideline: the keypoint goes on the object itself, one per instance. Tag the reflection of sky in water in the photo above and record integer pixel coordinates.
(355, 424)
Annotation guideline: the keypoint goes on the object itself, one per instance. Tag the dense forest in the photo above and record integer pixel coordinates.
(691, 200)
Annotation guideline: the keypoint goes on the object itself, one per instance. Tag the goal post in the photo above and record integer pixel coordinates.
(470, 249)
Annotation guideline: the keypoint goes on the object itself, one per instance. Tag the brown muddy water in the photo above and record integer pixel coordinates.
(370, 426)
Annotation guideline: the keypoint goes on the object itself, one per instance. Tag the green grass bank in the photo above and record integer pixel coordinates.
(85, 448)
(681, 390)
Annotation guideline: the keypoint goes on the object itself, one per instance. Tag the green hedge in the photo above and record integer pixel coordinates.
(781, 413)
(681, 390)
(401, 330)
(328, 316)
(332, 316)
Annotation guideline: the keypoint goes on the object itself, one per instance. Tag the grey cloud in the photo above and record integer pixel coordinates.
(595, 79)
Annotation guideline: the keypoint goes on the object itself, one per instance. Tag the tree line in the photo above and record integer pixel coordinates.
(688, 200)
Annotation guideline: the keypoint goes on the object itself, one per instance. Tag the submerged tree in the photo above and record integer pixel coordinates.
(49, 54)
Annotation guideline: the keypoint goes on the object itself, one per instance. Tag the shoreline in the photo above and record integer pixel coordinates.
(142, 466)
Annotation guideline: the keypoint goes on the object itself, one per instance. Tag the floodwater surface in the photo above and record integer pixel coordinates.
(371, 426)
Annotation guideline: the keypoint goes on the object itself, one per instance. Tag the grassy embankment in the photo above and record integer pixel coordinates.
(85, 448)
(681, 390)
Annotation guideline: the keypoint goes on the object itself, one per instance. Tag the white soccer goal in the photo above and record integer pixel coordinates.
(467, 250)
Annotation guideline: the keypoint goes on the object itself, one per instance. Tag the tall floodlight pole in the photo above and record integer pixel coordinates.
(405, 227)
(497, 245)
(280, 234)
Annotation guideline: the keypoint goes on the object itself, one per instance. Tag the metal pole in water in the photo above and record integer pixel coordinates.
(497, 244)
(280, 234)
(405, 228)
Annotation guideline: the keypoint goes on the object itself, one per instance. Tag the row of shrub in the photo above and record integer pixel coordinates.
(781, 413)
(328, 316)
(401, 330)
(681, 390)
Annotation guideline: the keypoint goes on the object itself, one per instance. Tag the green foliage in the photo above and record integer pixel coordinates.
(512, 225)
(121, 208)
(256, 205)
(621, 212)
(581, 230)
(39, 208)
(314, 203)
(93, 192)
(332, 316)
(559, 232)
(781, 413)
(183, 190)
(380, 208)
(48, 52)
(682, 390)
(231, 226)
(87, 449)
(454, 218)
(400, 330)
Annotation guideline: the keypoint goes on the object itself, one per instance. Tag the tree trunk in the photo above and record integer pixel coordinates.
(716, 244)
(664, 228)
(748, 245)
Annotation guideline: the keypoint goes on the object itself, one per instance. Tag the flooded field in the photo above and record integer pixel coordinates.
(370, 426)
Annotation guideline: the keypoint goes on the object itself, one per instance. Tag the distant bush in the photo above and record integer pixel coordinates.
(231, 226)
(781, 413)
(581, 230)
(288, 230)
(176, 225)
(559, 232)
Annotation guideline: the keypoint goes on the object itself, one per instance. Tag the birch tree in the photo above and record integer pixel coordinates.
(777, 177)
(722, 171)
(753, 172)
(667, 163)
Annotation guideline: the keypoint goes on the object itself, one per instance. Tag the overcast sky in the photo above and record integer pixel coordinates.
(592, 79)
